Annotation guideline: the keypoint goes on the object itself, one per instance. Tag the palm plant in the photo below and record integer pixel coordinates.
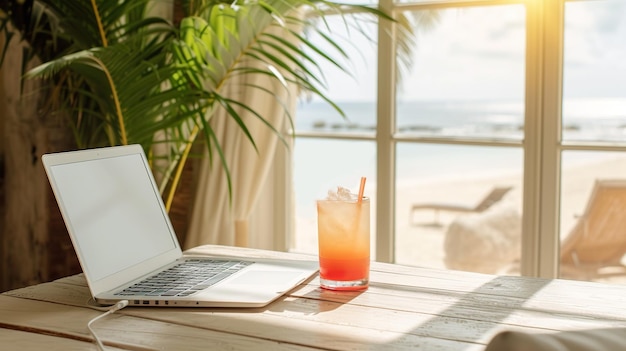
(120, 76)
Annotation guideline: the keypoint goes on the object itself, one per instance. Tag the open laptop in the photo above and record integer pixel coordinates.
(122, 235)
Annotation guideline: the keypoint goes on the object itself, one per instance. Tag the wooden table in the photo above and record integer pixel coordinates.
(405, 308)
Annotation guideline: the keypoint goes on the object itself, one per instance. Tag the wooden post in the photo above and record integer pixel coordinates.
(24, 232)
(25, 243)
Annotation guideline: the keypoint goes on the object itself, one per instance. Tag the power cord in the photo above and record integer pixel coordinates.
(118, 306)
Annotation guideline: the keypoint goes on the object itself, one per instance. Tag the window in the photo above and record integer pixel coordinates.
(526, 96)
(460, 118)
(593, 136)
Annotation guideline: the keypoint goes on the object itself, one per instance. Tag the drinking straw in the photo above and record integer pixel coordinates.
(361, 189)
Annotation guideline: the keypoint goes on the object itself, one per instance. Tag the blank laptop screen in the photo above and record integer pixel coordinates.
(114, 212)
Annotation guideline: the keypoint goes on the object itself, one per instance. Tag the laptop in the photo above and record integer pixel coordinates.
(122, 236)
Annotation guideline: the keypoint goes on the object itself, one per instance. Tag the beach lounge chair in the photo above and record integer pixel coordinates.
(495, 195)
(597, 242)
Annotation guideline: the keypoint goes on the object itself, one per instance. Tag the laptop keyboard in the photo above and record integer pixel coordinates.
(185, 278)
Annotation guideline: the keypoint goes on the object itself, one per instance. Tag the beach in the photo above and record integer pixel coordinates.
(454, 174)
(419, 242)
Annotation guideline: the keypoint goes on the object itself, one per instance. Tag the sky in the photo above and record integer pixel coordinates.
(474, 53)
(595, 50)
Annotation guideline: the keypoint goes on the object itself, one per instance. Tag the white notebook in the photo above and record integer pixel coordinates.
(122, 235)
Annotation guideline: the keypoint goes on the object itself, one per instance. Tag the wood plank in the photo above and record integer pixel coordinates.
(124, 331)
(23, 340)
(501, 295)
(192, 329)
(555, 306)
(405, 308)
(507, 310)
(415, 316)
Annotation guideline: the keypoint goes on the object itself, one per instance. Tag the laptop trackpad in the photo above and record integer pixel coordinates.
(255, 277)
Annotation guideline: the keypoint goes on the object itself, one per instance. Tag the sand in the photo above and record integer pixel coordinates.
(421, 243)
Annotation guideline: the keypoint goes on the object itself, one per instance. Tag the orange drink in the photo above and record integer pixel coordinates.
(344, 243)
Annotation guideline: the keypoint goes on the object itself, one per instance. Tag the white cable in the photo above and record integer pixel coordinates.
(118, 306)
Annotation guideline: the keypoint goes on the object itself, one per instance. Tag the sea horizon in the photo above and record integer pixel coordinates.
(322, 164)
(584, 119)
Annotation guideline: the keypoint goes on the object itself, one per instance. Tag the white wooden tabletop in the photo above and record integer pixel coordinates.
(405, 308)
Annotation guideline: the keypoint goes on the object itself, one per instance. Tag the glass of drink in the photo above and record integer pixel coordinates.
(344, 243)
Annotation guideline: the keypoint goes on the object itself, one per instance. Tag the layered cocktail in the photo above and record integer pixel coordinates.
(344, 243)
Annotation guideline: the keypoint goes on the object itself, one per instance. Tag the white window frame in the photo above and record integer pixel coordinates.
(542, 144)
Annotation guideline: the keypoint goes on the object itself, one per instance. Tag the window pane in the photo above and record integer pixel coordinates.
(321, 165)
(593, 201)
(467, 74)
(442, 220)
(459, 207)
(594, 85)
(354, 90)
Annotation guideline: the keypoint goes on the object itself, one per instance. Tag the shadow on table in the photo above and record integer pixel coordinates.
(316, 300)
(469, 321)
(475, 315)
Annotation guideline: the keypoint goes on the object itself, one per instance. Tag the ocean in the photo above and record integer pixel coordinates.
(421, 118)
(583, 119)
(322, 164)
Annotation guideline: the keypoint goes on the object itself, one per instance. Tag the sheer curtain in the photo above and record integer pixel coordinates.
(215, 220)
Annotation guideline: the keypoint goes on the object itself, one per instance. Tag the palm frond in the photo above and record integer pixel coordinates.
(121, 76)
